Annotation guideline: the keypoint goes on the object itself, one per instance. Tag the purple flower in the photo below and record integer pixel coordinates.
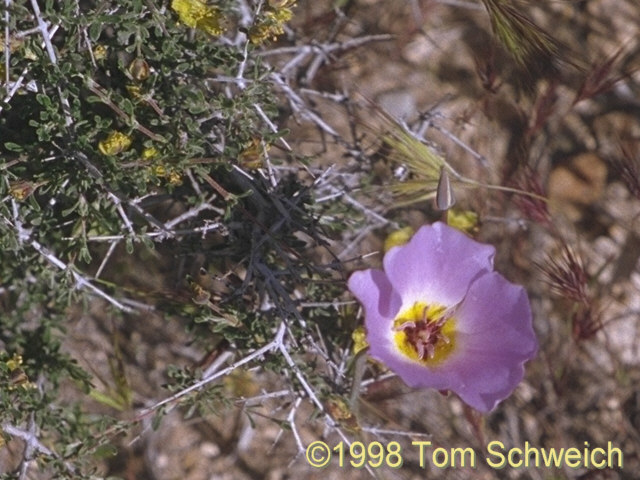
(440, 317)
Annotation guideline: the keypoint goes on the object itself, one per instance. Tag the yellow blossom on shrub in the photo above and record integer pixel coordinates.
(259, 33)
(18, 378)
(253, 154)
(21, 189)
(359, 337)
(279, 15)
(100, 52)
(149, 153)
(464, 220)
(197, 14)
(14, 362)
(159, 171)
(175, 178)
(399, 237)
(134, 90)
(276, 15)
(115, 143)
(282, 3)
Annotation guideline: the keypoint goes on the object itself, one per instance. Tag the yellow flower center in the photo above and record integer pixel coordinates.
(425, 333)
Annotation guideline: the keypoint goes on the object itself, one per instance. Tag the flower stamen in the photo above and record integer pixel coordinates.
(425, 332)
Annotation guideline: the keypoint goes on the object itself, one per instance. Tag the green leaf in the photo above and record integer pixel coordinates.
(95, 30)
(105, 451)
(107, 400)
(44, 100)
(13, 147)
